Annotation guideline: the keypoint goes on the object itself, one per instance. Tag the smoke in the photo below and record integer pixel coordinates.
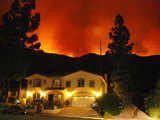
(75, 27)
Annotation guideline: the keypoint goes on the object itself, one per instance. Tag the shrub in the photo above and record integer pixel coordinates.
(152, 102)
(110, 103)
(152, 105)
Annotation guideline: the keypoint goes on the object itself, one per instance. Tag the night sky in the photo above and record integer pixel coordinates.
(75, 27)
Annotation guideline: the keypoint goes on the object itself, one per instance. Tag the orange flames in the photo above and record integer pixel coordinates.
(75, 27)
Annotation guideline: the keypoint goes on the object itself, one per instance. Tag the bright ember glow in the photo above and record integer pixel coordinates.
(75, 27)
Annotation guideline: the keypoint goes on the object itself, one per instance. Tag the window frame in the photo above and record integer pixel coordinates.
(81, 82)
(68, 85)
(92, 83)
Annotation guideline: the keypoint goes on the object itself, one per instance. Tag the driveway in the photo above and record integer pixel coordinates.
(52, 117)
(74, 112)
(89, 113)
(77, 112)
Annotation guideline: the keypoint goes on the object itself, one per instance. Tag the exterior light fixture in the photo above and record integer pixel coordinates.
(29, 94)
(69, 94)
(97, 94)
(42, 94)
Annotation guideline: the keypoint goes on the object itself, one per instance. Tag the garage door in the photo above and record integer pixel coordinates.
(82, 101)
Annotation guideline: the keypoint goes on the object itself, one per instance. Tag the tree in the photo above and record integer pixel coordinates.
(152, 101)
(110, 103)
(120, 37)
(17, 39)
(119, 47)
(18, 22)
(123, 85)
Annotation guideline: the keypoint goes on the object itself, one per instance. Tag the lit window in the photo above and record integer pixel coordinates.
(68, 83)
(91, 83)
(57, 83)
(81, 82)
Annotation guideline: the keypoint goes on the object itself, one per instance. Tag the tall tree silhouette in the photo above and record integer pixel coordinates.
(18, 24)
(120, 37)
(16, 34)
(119, 47)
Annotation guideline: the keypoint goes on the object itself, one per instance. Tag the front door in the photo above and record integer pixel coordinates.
(50, 98)
(51, 101)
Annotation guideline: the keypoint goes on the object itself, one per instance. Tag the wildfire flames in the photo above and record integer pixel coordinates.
(75, 27)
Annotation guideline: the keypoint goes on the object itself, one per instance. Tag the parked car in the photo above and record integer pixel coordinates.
(15, 109)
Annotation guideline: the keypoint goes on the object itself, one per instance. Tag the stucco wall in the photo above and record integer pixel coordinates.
(99, 86)
(42, 78)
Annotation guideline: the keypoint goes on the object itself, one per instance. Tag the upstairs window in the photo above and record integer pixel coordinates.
(91, 83)
(30, 82)
(56, 83)
(53, 83)
(13, 93)
(37, 83)
(45, 82)
(68, 83)
(81, 82)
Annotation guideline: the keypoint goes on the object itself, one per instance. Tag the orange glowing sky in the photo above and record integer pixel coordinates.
(75, 27)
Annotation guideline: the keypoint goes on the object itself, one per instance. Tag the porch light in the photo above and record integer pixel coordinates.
(97, 94)
(69, 94)
(29, 94)
(43, 94)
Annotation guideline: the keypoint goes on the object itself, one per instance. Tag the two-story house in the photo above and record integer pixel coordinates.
(80, 88)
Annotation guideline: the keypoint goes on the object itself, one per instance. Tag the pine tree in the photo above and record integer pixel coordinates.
(120, 37)
(119, 46)
(16, 34)
(18, 22)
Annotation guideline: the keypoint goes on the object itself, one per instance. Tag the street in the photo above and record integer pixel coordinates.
(53, 117)
(68, 113)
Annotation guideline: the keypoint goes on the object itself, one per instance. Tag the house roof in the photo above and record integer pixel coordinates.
(81, 72)
(35, 76)
(55, 74)
(62, 75)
